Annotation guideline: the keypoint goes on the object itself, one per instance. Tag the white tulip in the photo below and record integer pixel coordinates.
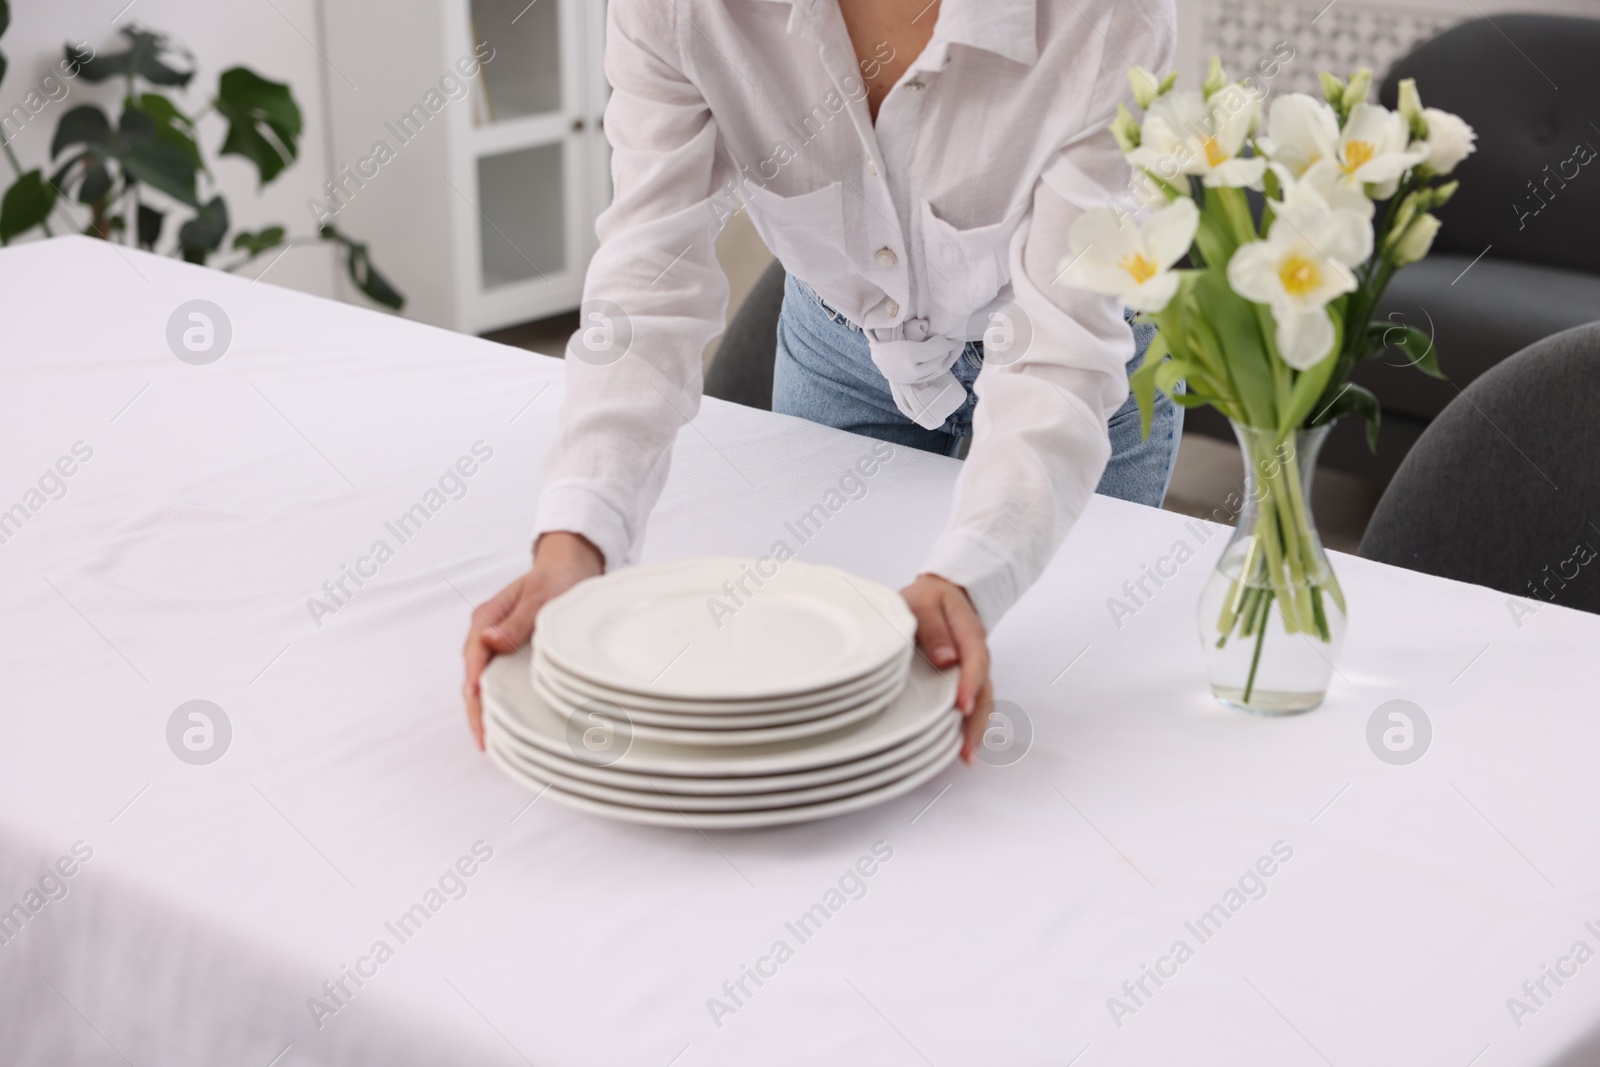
(1450, 140)
(1325, 176)
(1113, 255)
(1301, 132)
(1374, 146)
(1184, 133)
(1303, 264)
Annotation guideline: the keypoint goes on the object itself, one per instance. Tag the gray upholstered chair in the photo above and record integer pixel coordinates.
(1503, 488)
(741, 371)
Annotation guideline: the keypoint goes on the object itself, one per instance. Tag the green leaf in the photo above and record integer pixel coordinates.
(150, 221)
(264, 122)
(5, 16)
(365, 276)
(170, 124)
(1231, 319)
(26, 204)
(1309, 386)
(1413, 345)
(145, 57)
(96, 182)
(1143, 381)
(203, 234)
(84, 124)
(3, 63)
(149, 158)
(257, 243)
(1352, 398)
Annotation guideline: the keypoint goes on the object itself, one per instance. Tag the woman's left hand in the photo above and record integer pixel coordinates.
(948, 632)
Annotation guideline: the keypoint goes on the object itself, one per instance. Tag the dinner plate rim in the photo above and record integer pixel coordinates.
(503, 671)
(724, 820)
(770, 801)
(733, 720)
(761, 735)
(878, 596)
(722, 784)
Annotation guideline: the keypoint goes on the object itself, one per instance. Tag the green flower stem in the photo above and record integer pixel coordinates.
(1261, 639)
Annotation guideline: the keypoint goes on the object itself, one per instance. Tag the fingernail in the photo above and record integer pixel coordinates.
(943, 655)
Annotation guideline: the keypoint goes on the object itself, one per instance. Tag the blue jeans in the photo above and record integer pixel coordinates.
(825, 374)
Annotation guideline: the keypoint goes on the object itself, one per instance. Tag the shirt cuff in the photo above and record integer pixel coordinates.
(580, 507)
(987, 574)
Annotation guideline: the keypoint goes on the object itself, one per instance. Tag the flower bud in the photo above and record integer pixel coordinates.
(1216, 78)
(1356, 92)
(1411, 109)
(1146, 86)
(1332, 89)
(1440, 195)
(1125, 128)
(1417, 241)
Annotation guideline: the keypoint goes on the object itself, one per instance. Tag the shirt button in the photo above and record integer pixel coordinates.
(886, 257)
(892, 308)
(872, 168)
(915, 87)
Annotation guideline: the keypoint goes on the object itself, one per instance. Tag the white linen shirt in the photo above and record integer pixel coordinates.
(954, 205)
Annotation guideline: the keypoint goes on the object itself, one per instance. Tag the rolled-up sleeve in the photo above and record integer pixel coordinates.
(1040, 441)
(656, 265)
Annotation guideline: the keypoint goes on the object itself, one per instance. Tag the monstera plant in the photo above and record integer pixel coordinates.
(123, 180)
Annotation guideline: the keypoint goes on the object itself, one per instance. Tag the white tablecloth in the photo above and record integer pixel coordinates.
(1014, 903)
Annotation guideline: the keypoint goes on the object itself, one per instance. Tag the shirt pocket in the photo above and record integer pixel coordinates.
(806, 232)
(966, 267)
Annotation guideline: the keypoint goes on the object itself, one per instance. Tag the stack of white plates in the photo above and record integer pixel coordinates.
(722, 694)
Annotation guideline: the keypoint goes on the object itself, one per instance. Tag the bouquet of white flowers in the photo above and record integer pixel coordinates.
(1273, 312)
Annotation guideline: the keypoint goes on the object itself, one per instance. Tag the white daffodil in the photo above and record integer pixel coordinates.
(1374, 148)
(1301, 132)
(1449, 141)
(1342, 192)
(1184, 133)
(1112, 255)
(1303, 264)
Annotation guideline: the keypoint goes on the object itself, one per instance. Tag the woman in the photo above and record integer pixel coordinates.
(916, 166)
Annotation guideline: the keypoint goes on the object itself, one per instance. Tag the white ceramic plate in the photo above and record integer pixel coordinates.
(928, 695)
(568, 682)
(666, 783)
(729, 820)
(676, 630)
(555, 686)
(660, 800)
(593, 712)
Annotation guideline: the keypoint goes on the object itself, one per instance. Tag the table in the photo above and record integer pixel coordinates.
(1014, 913)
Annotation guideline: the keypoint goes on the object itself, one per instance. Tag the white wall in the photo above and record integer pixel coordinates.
(277, 39)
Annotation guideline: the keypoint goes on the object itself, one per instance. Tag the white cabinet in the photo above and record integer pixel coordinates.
(468, 151)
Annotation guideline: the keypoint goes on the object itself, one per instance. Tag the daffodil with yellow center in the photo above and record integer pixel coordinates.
(1304, 263)
(1187, 133)
(1112, 254)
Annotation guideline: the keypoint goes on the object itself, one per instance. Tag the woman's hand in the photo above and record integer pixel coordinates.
(949, 631)
(502, 624)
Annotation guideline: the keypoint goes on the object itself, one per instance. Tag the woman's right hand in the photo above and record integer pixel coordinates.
(502, 624)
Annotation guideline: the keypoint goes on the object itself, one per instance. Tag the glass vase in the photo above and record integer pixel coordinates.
(1272, 616)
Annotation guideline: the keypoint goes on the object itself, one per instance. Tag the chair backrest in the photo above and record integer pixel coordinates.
(1503, 489)
(741, 371)
(1529, 85)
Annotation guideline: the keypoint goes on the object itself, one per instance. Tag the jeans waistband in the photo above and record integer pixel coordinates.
(839, 319)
